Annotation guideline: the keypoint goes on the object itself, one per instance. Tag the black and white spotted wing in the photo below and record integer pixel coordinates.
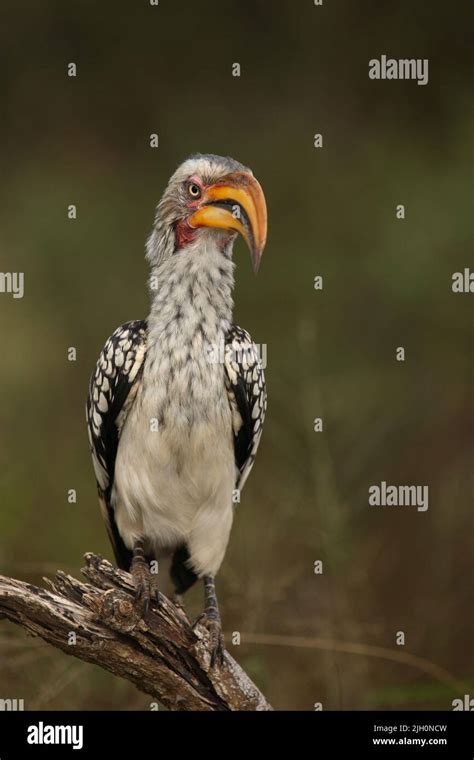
(245, 384)
(112, 390)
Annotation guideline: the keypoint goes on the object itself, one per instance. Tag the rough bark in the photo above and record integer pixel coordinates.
(162, 655)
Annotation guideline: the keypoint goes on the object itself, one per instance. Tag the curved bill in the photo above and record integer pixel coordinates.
(236, 203)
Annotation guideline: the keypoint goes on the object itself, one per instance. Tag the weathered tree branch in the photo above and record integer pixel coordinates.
(163, 657)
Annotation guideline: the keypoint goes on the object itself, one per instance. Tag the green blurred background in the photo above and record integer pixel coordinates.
(306, 638)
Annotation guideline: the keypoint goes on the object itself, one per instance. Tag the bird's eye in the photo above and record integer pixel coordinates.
(194, 190)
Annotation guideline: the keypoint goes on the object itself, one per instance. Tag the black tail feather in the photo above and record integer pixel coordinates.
(181, 575)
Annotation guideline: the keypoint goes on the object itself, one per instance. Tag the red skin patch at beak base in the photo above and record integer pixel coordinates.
(184, 234)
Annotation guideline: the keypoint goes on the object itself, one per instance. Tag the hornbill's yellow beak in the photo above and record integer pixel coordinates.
(236, 202)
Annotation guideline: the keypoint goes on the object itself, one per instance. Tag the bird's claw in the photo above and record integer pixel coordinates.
(146, 590)
(216, 643)
(199, 620)
(216, 637)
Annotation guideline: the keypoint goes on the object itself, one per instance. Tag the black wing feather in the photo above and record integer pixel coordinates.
(246, 389)
(111, 392)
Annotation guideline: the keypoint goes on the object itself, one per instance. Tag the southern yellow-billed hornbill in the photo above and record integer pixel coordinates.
(177, 401)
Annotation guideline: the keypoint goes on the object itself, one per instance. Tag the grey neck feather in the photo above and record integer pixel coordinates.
(191, 291)
(191, 313)
(197, 280)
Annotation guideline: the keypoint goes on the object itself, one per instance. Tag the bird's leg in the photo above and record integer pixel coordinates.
(211, 619)
(145, 584)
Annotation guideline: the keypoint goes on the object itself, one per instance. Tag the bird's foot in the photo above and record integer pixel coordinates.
(212, 623)
(146, 590)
